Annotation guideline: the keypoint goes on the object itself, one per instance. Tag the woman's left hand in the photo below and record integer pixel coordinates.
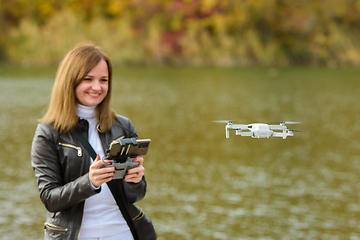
(135, 174)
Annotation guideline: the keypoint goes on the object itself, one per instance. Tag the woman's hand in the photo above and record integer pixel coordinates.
(99, 175)
(135, 174)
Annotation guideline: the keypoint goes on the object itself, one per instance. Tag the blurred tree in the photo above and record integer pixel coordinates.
(217, 32)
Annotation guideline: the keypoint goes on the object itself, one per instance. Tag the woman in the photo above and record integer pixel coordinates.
(73, 187)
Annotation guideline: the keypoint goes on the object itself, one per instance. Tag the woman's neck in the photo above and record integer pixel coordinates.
(86, 112)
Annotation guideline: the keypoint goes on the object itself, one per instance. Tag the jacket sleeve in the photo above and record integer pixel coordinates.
(55, 194)
(134, 192)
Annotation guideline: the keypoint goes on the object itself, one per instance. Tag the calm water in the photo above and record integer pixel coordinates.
(200, 184)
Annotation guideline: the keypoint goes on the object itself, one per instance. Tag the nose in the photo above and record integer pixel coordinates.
(96, 86)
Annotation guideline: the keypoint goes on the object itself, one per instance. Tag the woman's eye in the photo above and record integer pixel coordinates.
(87, 79)
(104, 79)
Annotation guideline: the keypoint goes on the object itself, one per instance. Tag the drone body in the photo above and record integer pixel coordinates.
(259, 130)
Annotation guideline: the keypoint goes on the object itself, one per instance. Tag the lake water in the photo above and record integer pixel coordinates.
(200, 184)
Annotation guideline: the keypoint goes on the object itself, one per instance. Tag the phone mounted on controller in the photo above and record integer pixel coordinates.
(121, 153)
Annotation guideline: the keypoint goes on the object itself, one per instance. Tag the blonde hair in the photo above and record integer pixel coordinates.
(62, 108)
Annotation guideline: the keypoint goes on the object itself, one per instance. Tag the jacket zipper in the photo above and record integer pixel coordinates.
(139, 216)
(72, 146)
(54, 227)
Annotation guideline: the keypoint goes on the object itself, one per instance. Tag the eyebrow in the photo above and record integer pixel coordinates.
(105, 76)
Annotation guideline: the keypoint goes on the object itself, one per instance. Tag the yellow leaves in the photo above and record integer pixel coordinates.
(201, 31)
(207, 5)
(220, 23)
(176, 22)
(45, 8)
(116, 7)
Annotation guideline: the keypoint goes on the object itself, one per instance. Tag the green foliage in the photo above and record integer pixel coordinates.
(184, 32)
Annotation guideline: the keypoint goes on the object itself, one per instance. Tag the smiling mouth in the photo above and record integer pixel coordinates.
(94, 94)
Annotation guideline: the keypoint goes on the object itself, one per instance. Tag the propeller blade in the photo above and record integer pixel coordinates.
(294, 130)
(286, 122)
(240, 127)
(223, 121)
(227, 121)
(292, 122)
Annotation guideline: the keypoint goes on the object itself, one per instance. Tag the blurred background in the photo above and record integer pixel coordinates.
(184, 32)
(179, 65)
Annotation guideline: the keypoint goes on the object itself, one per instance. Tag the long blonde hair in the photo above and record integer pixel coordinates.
(62, 108)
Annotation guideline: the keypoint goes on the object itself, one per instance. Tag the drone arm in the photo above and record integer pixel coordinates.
(283, 134)
(277, 127)
(228, 127)
(245, 134)
(240, 126)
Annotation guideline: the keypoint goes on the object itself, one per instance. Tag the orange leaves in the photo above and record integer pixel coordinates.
(221, 32)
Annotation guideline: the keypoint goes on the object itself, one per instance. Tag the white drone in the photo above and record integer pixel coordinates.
(259, 130)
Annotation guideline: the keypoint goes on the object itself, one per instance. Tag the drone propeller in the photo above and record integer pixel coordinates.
(227, 121)
(286, 122)
(294, 130)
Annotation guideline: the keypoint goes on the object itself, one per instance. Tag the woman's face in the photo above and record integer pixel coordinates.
(93, 88)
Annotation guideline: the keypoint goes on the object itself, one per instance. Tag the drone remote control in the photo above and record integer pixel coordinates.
(122, 168)
(121, 153)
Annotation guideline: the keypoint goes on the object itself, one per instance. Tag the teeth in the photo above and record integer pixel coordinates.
(94, 94)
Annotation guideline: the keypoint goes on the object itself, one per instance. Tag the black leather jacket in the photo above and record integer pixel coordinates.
(61, 166)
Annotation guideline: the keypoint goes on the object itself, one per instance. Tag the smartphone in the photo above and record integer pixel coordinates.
(132, 148)
(140, 149)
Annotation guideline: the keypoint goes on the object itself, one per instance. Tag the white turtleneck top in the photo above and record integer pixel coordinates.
(102, 216)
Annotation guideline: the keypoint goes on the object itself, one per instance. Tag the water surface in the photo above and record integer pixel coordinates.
(200, 184)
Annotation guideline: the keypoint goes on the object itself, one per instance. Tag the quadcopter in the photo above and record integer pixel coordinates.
(259, 130)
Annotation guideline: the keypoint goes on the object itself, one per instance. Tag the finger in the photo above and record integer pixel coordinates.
(139, 159)
(97, 172)
(139, 169)
(135, 174)
(106, 175)
(133, 178)
(97, 158)
(100, 177)
(99, 180)
(97, 163)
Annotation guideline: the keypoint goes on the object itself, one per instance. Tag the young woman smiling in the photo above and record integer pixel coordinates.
(73, 186)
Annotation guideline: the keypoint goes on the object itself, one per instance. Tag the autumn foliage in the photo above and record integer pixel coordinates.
(185, 32)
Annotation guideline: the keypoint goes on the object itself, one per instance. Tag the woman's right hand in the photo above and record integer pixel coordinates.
(99, 175)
